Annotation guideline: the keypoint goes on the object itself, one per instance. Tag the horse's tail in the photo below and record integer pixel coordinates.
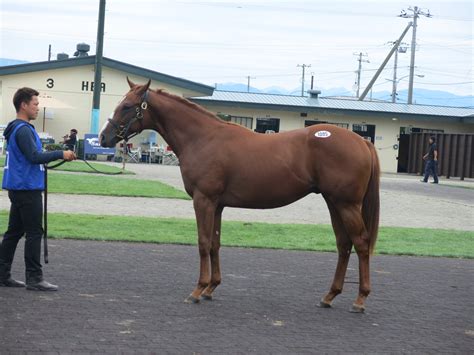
(371, 204)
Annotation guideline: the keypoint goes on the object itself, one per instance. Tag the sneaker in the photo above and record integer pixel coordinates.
(41, 286)
(11, 283)
(423, 181)
(434, 182)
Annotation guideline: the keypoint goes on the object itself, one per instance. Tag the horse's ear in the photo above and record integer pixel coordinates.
(147, 85)
(142, 89)
(130, 83)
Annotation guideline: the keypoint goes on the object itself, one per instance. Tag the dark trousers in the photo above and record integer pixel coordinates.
(431, 168)
(25, 218)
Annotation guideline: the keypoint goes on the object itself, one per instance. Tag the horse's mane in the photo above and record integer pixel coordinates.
(186, 102)
(193, 106)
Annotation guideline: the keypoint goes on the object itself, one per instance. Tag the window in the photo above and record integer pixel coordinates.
(313, 122)
(241, 120)
(359, 127)
(366, 131)
(308, 123)
(424, 130)
(268, 125)
(342, 125)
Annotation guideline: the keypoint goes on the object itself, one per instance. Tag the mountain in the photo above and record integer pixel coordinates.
(420, 96)
(236, 87)
(6, 62)
(430, 97)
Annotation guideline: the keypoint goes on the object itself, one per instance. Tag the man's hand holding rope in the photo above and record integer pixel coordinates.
(69, 155)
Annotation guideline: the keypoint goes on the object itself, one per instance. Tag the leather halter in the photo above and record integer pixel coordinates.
(122, 130)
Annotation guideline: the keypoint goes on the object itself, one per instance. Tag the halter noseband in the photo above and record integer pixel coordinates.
(122, 130)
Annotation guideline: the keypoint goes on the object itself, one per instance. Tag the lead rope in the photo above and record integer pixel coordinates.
(124, 154)
(45, 212)
(45, 201)
(45, 215)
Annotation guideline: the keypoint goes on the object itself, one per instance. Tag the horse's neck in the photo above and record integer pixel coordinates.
(179, 124)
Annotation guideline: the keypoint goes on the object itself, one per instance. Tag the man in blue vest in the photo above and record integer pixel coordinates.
(23, 177)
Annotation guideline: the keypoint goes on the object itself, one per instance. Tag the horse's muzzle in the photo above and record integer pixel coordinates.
(106, 143)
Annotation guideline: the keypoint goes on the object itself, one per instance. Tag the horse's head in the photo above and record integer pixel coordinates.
(128, 117)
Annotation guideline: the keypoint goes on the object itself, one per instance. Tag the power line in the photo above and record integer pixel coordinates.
(461, 83)
(451, 47)
(445, 73)
(416, 13)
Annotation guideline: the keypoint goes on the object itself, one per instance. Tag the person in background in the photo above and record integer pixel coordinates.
(431, 158)
(70, 140)
(23, 178)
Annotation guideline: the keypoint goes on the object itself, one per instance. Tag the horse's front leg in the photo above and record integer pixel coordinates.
(215, 263)
(205, 211)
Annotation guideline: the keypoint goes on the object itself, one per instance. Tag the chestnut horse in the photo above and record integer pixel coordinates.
(226, 165)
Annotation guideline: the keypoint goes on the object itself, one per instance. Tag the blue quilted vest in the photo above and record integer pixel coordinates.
(19, 173)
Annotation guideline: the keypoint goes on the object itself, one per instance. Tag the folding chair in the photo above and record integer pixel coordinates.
(134, 155)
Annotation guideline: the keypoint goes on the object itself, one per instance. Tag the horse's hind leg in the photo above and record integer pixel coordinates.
(344, 247)
(205, 210)
(215, 263)
(352, 218)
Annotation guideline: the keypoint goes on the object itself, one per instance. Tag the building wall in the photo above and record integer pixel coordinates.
(73, 87)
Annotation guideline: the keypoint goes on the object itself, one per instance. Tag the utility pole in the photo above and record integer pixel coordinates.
(248, 82)
(303, 66)
(49, 53)
(402, 48)
(377, 73)
(416, 13)
(98, 70)
(394, 84)
(360, 69)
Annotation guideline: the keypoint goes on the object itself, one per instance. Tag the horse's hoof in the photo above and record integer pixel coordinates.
(191, 299)
(357, 308)
(206, 297)
(323, 304)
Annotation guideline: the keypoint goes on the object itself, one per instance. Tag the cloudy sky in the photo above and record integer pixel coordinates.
(226, 41)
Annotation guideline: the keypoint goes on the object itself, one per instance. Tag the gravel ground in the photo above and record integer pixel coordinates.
(405, 202)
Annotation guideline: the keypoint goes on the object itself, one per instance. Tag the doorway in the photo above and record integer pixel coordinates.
(268, 125)
(366, 131)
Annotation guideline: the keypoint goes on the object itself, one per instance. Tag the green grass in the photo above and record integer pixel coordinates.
(392, 240)
(116, 185)
(111, 186)
(80, 166)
